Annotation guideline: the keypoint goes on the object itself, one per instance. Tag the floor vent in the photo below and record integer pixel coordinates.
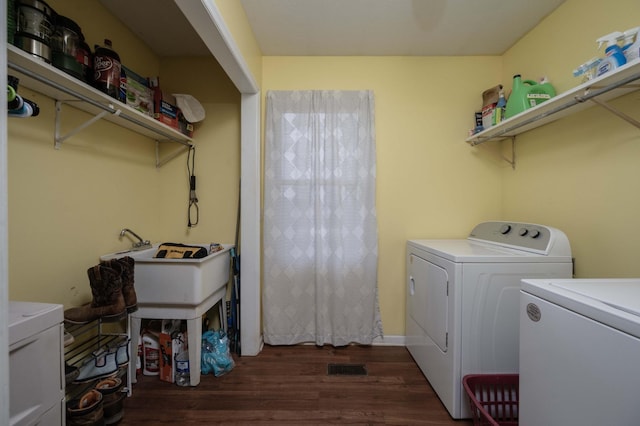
(346, 370)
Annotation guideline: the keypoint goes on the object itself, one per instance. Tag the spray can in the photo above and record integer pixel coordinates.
(151, 352)
(107, 70)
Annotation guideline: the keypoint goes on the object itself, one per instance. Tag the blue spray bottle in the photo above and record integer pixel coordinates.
(631, 48)
(615, 58)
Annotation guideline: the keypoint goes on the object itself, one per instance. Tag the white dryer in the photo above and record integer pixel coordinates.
(462, 313)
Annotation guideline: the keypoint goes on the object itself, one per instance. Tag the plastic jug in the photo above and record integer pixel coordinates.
(526, 94)
(151, 350)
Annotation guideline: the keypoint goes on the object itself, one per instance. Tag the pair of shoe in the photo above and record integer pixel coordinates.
(105, 362)
(112, 399)
(102, 405)
(87, 410)
(113, 291)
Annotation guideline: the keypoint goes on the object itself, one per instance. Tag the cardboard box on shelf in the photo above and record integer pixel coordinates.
(138, 94)
(168, 114)
(487, 115)
(139, 97)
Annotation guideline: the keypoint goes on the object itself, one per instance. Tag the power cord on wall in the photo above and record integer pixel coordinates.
(193, 210)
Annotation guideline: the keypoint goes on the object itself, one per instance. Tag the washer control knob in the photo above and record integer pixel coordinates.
(534, 233)
(523, 231)
(505, 229)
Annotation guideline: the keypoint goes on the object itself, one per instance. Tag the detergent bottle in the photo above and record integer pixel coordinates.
(526, 94)
(615, 58)
(517, 100)
(631, 48)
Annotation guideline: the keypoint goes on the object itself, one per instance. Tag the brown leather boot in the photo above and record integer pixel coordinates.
(108, 302)
(126, 267)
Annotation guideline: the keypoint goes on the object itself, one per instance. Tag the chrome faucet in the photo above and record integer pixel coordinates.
(138, 245)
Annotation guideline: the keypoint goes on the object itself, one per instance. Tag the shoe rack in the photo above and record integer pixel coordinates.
(91, 342)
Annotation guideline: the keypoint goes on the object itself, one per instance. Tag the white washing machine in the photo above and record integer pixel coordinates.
(463, 300)
(580, 352)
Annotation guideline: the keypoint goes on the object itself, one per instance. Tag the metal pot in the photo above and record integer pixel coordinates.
(66, 43)
(34, 28)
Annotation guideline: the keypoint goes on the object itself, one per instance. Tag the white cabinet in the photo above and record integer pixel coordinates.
(36, 373)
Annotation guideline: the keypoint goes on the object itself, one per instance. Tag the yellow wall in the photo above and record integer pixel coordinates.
(430, 184)
(67, 206)
(579, 174)
(217, 154)
(238, 25)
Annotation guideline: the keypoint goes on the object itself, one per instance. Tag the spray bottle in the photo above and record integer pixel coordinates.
(500, 109)
(615, 58)
(631, 48)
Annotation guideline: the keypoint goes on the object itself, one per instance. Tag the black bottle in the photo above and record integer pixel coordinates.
(106, 70)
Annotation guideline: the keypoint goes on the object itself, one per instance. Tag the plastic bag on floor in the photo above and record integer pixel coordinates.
(216, 357)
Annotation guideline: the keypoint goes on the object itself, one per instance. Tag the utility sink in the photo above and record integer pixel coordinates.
(187, 282)
(182, 289)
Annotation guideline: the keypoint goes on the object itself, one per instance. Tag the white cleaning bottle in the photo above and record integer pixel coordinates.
(631, 48)
(614, 58)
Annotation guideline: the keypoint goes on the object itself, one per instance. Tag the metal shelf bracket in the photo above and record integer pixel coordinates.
(169, 157)
(59, 139)
(512, 161)
(616, 112)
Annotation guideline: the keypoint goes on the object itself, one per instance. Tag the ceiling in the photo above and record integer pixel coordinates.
(350, 27)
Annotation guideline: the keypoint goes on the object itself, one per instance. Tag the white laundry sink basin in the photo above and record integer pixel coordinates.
(186, 282)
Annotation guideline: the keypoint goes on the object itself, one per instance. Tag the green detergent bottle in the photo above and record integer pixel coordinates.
(526, 94)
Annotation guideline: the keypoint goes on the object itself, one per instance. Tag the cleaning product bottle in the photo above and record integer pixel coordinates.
(499, 110)
(587, 70)
(540, 92)
(151, 350)
(631, 48)
(615, 58)
(516, 103)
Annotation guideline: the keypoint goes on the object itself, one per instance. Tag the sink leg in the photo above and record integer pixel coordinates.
(135, 337)
(223, 316)
(194, 332)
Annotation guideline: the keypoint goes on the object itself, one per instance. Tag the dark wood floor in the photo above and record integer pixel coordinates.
(289, 385)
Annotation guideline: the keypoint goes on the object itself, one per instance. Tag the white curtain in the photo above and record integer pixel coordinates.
(320, 228)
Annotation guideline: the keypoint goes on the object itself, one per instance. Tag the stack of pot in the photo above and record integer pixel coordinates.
(34, 28)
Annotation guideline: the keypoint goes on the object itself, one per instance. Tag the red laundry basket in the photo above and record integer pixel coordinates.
(493, 398)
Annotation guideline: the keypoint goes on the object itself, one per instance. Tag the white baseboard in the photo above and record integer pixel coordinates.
(389, 341)
(379, 341)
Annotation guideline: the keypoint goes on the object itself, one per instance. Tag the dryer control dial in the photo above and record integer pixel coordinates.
(523, 231)
(535, 233)
(505, 229)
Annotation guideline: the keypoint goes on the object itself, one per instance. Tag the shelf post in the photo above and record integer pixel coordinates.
(513, 153)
